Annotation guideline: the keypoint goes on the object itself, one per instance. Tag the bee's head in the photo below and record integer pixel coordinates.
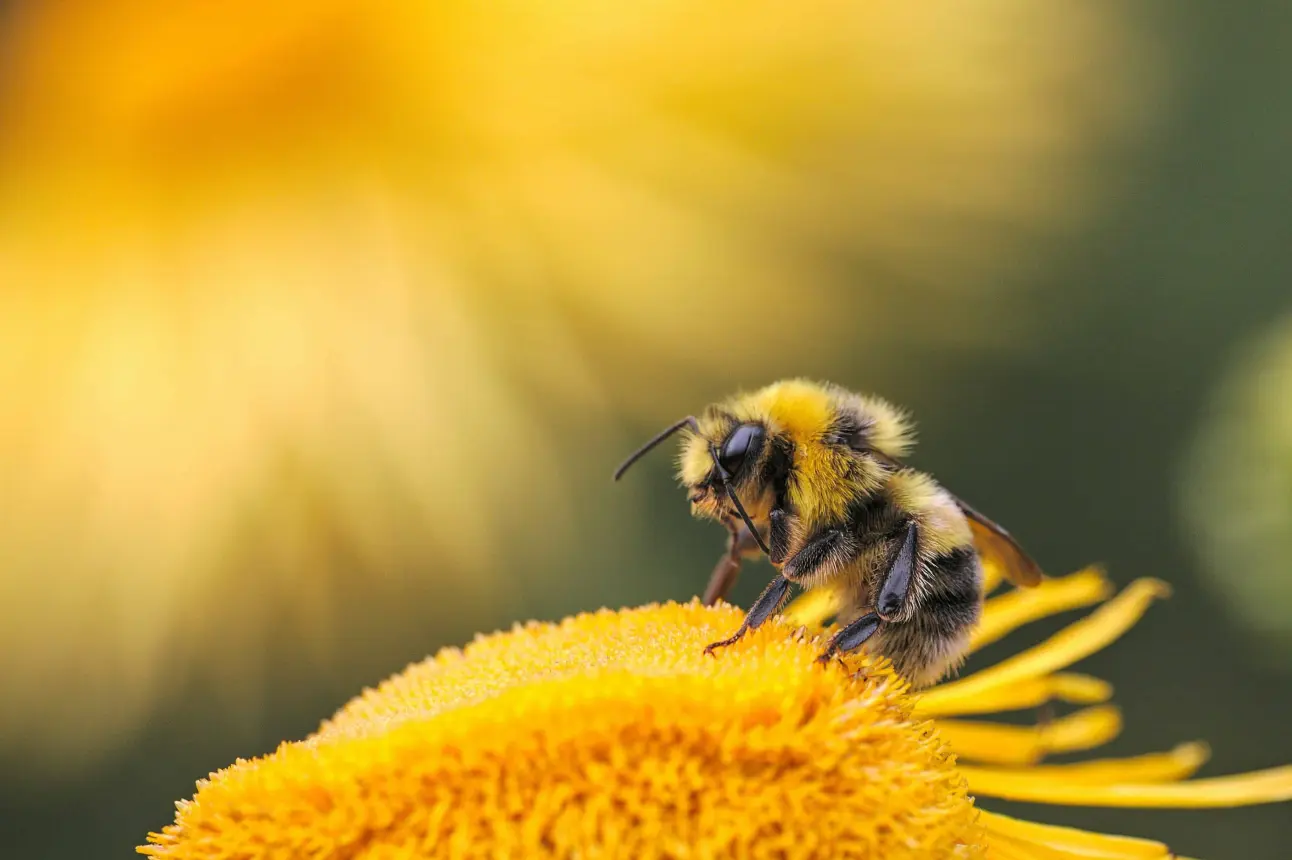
(720, 464)
(727, 456)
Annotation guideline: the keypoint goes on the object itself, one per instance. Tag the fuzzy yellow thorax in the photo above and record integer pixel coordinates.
(804, 413)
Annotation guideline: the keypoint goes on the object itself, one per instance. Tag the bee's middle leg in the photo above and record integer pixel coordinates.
(764, 607)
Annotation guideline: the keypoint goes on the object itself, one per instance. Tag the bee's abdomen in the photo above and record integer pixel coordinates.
(945, 607)
(950, 597)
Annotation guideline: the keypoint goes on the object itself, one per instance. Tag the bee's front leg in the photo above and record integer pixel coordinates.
(767, 604)
(740, 543)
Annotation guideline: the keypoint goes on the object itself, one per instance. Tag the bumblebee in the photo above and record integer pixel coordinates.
(812, 476)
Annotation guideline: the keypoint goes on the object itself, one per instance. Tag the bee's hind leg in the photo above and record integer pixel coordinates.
(851, 637)
(764, 607)
(892, 597)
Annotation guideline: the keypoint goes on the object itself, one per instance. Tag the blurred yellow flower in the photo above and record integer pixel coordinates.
(1237, 489)
(612, 735)
(297, 291)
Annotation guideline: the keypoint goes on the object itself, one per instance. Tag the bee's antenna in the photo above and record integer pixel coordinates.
(735, 500)
(688, 421)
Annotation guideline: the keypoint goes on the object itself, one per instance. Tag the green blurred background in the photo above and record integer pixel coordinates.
(322, 326)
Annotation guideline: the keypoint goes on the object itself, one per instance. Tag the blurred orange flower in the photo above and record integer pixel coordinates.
(295, 291)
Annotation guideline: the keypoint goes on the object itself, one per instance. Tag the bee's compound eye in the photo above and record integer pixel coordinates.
(744, 439)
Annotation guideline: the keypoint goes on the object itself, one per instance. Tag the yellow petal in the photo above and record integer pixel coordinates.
(1262, 786)
(1180, 763)
(991, 576)
(1069, 645)
(1012, 610)
(1004, 848)
(1032, 693)
(1000, 845)
(1002, 744)
(813, 607)
(1078, 843)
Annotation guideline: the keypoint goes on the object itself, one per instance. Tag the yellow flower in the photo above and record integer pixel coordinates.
(612, 735)
(276, 275)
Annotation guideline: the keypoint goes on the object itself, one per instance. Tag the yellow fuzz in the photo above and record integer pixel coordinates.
(694, 461)
(943, 527)
(800, 408)
(804, 412)
(608, 735)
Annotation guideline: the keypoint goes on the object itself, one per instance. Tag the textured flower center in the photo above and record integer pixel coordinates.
(610, 735)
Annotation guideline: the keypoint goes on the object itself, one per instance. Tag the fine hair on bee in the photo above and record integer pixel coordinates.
(812, 476)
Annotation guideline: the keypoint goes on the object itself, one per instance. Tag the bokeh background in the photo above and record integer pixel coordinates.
(323, 324)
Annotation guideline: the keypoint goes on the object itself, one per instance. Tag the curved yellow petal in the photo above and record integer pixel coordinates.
(1080, 843)
(1077, 640)
(1247, 789)
(1002, 744)
(1004, 614)
(1172, 766)
(991, 577)
(1004, 848)
(1032, 693)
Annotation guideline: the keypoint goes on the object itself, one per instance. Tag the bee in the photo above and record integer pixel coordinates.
(811, 475)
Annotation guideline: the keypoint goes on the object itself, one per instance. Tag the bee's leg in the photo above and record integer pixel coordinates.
(778, 536)
(892, 596)
(830, 548)
(852, 636)
(764, 607)
(722, 579)
(740, 543)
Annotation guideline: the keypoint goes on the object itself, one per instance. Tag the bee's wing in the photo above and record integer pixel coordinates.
(997, 546)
